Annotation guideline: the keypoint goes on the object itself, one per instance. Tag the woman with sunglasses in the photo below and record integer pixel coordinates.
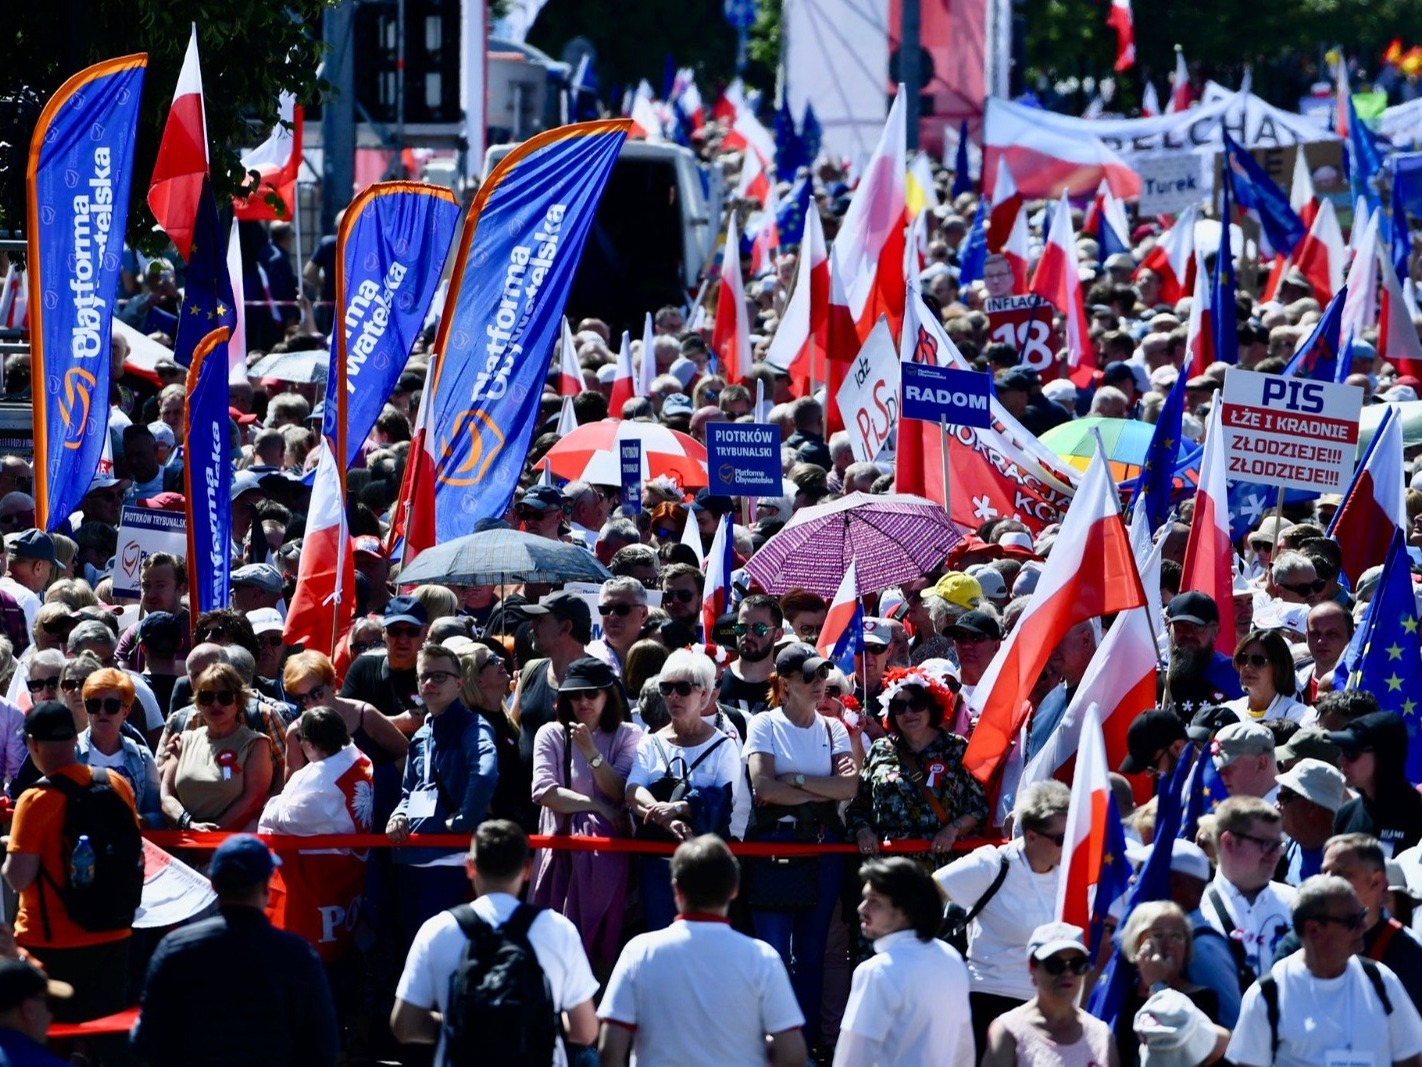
(223, 773)
(486, 691)
(1157, 942)
(801, 769)
(580, 765)
(912, 784)
(108, 697)
(687, 778)
(1050, 1029)
(1266, 671)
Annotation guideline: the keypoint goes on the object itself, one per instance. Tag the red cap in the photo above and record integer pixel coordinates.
(242, 418)
(165, 502)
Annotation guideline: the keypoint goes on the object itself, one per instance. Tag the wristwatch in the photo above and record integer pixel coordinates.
(596, 762)
(799, 781)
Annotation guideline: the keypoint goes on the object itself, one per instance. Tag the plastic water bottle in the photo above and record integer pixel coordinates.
(81, 863)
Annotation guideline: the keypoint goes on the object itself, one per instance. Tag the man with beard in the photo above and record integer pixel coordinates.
(1197, 675)
(746, 684)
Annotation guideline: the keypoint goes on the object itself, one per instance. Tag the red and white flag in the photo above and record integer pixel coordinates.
(1397, 336)
(1150, 102)
(1121, 20)
(1005, 208)
(1321, 253)
(716, 599)
(237, 342)
(1375, 505)
(14, 300)
(1200, 336)
(1057, 280)
(1017, 250)
(323, 606)
(766, 241)
(730, 338)
(646, 123)
(1085, 850)
(277, 161)
(840, 615)
(754, 183)
(1173, 258)
(1179, 86)
(181, 164)
(413, 519)
(1302, 196)
(570, 372)
(1209, 556)
(1089, 573)
(1360, 305)
(798, 346)
(647, 369)
(624, 384)
(1047, 163)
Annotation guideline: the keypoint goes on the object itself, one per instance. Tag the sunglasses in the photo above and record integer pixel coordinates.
(402, 632)
(967, 637)
(71, 685)
(312, 696)
(35, 685)
(898, 707)
(1055, 965)
(664, 534)
(436, 676)
(1057, 839)
(1304, 588)
(1257, 660)
(760, 629)
(1267, 845)
(225, 697)
(108, 706)
(1348, 922)
(821, 672)
(681, 596)
(272, 640)
(833, 691)
(1286, 796)
(212, 633)
(681, 689)
(620, 610)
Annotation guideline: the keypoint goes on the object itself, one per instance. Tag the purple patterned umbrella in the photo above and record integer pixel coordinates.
(892, 539)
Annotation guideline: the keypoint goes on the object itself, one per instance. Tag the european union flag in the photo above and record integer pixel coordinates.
(972, 256)
(207, 297)
(1225, 321)
(789, 148)
(1115, 877)
(811, 135)
(1385, 655)
(1319, 357)
(1364, 160)
(1157, 478)
(1259, 196)
(850, 643)
(962, 180)
(1406, 192)
(790, 215)
(1206, 793)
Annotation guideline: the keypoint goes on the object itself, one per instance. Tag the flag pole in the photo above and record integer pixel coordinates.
(943, 449)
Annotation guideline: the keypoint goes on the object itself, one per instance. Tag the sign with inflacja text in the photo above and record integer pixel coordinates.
(1290, 432)
(142, 532)
(1025, 323)
(743, 459)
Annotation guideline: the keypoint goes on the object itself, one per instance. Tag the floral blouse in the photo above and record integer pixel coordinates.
(891, 804)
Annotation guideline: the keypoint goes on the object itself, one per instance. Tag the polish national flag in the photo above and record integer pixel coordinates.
(837, 633)
(647, 369)
(1359, 306)
(1179, 86)
(1150, 102)
(1121, 20)
(1046, 162)
(646, 125)
(1173, 258)
(1302, 196)
(1375, 506)
(1006, 206)
(624, 384)
(277, 161)
(716, 600)
(1200, 337)
(1089, 867)
(567, 423)
(754, 183)
(1090, 572)
(1017, 250)
(1209, 556)
(799, 342)
(323, 607)
(413, 519)
(767, 237)
(181, 165)
(691, 537)
(1058, 281)
(1321, 253)
(747, 132)
(1397, 336)
(14, 299)
(570, 373)
(730, 338)
(237, 342)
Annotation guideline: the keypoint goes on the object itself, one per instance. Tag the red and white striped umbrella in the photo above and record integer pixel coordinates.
(590, 454)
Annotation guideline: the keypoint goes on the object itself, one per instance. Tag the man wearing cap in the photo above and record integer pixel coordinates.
(103, 502)
(1154, 741)
(562, 628)
(27, 997)
(387, 679)
(708, 509)
(976, 637)
(1197, 675)
(1309, 796)
(35, 865)
(540, 512)
(257, 585)
(869, 661)
(246, 494)
(1373, 758)
(288, 1016)
(372, 561)
(1329, 629)
(268, 625)
(32, 563)
(1244, 755)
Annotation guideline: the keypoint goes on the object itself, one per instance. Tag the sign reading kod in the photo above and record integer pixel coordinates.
(743, 459)
(958, 397)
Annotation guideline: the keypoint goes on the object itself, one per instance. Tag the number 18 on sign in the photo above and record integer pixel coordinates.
(944, 395)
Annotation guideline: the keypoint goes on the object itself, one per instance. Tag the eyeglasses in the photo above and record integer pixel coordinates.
(1348, 922)
(271, 640)
(760, 629)
(1304, 588)
(683, 596)
(1057, 839)
(833, 691)
(225, 697)
(967, 637)
(620, 610)
(436, 677)
(1267, 845)
(312, 696)
(1257, 660)
(35, 685)
(1286, 796)
(107, 706)
(821, 672)
(898, 707)
(71, 685)
(681, 689)
(1055, 965)
(404, 633)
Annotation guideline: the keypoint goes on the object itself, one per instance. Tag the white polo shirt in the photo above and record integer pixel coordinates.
(699, 994)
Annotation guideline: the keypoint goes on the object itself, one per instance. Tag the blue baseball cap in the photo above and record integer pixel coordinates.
(241, 862)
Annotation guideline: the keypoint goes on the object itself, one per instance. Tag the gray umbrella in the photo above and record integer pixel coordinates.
(495, 557)
(308, 365)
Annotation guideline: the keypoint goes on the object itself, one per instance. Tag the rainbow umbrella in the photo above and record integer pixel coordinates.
(1127, 441)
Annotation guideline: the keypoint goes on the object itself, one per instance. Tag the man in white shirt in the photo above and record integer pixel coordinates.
(888, 1020)
(498, 865)
(1243, 902)
(1332, 1007)
(698, 992)
(32, 561)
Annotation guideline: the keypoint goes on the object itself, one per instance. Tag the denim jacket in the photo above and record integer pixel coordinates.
(141, 772)
(454, 755)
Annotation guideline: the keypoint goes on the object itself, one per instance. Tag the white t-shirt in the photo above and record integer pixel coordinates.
(807, 750)
(437, 947)
(1325, 1021)
(888, 1010)
(1263, 922)
(722, 766)
(699, 993)
(29, 602)
(997, 938)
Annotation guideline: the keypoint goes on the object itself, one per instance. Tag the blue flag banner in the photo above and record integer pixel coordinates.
(1260, 197)
(790, 214)
(1365, 160)
(972, 257)
(390, 252)
(789, 149)
(1205, 793)
(520, 247)
(207, 293)
(962, 179)
(1406, 196)
(811, 134)
(1156, 481)
(1115, 877)
(207, 475)
(77, 184)
(1225, 320)
(1319, 357)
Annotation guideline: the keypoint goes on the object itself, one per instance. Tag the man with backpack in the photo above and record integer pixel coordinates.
(1327, 1005)
(497, 981)
(76, 860)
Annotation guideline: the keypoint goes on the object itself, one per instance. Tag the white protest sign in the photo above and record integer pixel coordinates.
(1290, 432)
(868, 398)
(142, 532)
(588, 593)
(1170, 182)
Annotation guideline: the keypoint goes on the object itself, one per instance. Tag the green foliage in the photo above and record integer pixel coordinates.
(251, 53)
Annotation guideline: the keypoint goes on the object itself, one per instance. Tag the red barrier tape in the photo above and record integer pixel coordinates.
(120, 1023)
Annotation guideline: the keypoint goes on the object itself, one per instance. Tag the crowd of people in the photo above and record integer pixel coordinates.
(496, 712)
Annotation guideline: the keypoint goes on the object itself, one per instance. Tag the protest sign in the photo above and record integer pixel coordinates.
(1025, 323)
(630, 456)
(142, 532)
(941, 394)
(1170, 182)
(1290, 432)
(744, 459)
(868, 398)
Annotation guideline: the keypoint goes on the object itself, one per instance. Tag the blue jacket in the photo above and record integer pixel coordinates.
(453, 755)
(142, 773)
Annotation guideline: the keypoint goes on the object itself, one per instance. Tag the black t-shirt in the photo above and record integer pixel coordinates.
(1394, 818)
(371, 679)
(748, 696)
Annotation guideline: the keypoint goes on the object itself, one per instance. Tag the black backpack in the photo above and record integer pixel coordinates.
(501, 1011)
(956, 918)
(1269, 993)
(111, 898)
